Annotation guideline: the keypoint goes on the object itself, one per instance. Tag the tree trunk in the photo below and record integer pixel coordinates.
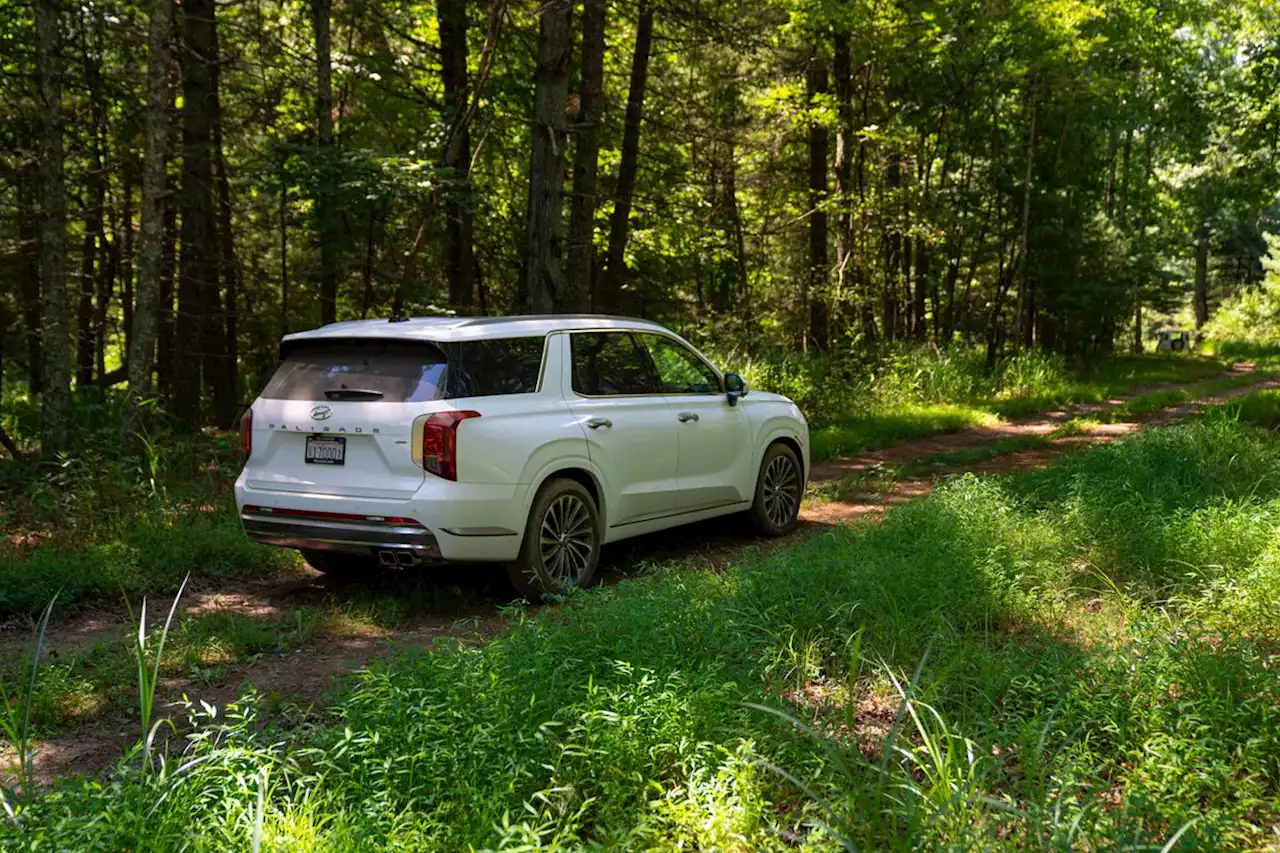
(544, 279)
(842, 72)
(459, 254)
(56, 403)
(30, 223)
(151, 229)
(124, 236)
(586, 149)
(816, 276)
(326, 216)
(1200, 299)
(197, 271)
(615, 272)
(920, 329)
(284, 245)
(166, 326)
(1022, 320)
(226, 382)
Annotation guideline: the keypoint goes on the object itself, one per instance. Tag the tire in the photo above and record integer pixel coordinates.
(562, 540)
(779, 489)
(342, 566)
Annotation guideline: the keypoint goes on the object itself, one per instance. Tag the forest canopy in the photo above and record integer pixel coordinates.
(180, 184)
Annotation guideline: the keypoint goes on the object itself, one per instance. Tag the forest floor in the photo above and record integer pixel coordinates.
(330, 630)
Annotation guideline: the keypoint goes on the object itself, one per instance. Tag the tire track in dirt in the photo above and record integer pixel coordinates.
(309, 675)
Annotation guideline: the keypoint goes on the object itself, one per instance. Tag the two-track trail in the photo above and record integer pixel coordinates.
(842, 490)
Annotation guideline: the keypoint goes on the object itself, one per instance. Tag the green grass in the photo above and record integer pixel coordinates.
(1074, 658)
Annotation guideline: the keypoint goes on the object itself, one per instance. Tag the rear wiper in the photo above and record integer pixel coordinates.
(345, 393)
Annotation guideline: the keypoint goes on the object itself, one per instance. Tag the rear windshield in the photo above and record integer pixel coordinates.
(381, 371)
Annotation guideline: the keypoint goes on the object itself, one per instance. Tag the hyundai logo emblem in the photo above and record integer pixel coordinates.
(321, 413)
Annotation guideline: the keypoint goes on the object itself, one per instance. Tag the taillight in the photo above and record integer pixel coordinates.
(440, 443)
(246, 432)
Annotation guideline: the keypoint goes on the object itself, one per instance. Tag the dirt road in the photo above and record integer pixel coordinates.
(470, 604)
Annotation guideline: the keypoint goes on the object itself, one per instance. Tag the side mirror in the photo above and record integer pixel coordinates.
(734, 387)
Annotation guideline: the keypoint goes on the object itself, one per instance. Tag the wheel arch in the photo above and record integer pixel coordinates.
(574, 470)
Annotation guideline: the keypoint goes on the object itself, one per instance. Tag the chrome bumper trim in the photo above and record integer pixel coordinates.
(337, 535)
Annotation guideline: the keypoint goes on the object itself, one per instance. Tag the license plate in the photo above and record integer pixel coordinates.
(326, 450)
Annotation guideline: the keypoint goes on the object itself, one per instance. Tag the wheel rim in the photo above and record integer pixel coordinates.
(781, 491)
(567, 540)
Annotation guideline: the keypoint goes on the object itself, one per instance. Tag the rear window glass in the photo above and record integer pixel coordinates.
(381, 371)
(495, 367)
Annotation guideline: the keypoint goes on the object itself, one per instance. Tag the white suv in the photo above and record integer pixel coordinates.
(530, 441)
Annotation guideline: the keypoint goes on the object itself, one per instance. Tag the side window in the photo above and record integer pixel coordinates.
(496, 367)
(679, 370)
(610, 364)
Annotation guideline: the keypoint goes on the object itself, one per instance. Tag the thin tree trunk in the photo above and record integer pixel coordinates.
(459, 260)
(815, 296)
(227, 380)
(166, 326)
(30, 222)
(920, 318)
(1022, 320)
(1200, 299)
(842, 72)
(197, 274)
(369, 265)
(582, 206)
(56, 403)
(284, 246)
(544, 279)
(326, 216)
(615, 272)
(124, 236)
(151, 229)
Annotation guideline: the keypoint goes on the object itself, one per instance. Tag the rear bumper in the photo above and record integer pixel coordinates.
(315, 534)
(453, 522)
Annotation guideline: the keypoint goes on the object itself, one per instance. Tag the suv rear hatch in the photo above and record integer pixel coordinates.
(337, 417)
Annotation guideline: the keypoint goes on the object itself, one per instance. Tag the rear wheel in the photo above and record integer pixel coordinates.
(562, 541)
(342, 566)
(779, 488)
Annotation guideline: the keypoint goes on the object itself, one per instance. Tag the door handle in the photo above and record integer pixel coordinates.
(596, 423)
(685, 417)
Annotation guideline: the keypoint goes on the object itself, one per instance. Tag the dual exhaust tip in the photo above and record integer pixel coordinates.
(391, 558)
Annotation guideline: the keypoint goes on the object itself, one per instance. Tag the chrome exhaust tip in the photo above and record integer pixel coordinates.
(407, 558)
(387, 558)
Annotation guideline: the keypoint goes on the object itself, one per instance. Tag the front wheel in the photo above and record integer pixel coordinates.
(562, 541)
(779, 488)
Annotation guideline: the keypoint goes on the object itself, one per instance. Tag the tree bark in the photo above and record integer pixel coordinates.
(30, 223)
(815, 295)
(615, 272)
(459, 253)
(1022, 320)
(326, 216)
(842, 72)
(166, 326)
(1200, 299)
(544, 279)
(919, 315)
(197, 271)
(227, 378)
(582, 206)
(151, 229)
(56, 402)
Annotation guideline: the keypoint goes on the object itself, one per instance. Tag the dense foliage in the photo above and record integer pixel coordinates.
(191, 182)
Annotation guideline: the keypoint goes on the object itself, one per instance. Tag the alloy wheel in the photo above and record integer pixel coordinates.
(567, 540)
(781, 490)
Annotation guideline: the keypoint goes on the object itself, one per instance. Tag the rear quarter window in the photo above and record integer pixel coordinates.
(497, 367)
(397, 371)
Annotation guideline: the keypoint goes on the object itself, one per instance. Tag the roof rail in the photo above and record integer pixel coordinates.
(485, 321)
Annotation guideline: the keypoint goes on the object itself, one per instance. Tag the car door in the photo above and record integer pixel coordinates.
(715, 456)
(631, 433)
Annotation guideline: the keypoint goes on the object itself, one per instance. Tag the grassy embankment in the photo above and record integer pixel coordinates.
(1081, 656)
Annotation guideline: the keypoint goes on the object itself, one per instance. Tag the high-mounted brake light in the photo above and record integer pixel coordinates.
(440, 443)
(246, 432)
